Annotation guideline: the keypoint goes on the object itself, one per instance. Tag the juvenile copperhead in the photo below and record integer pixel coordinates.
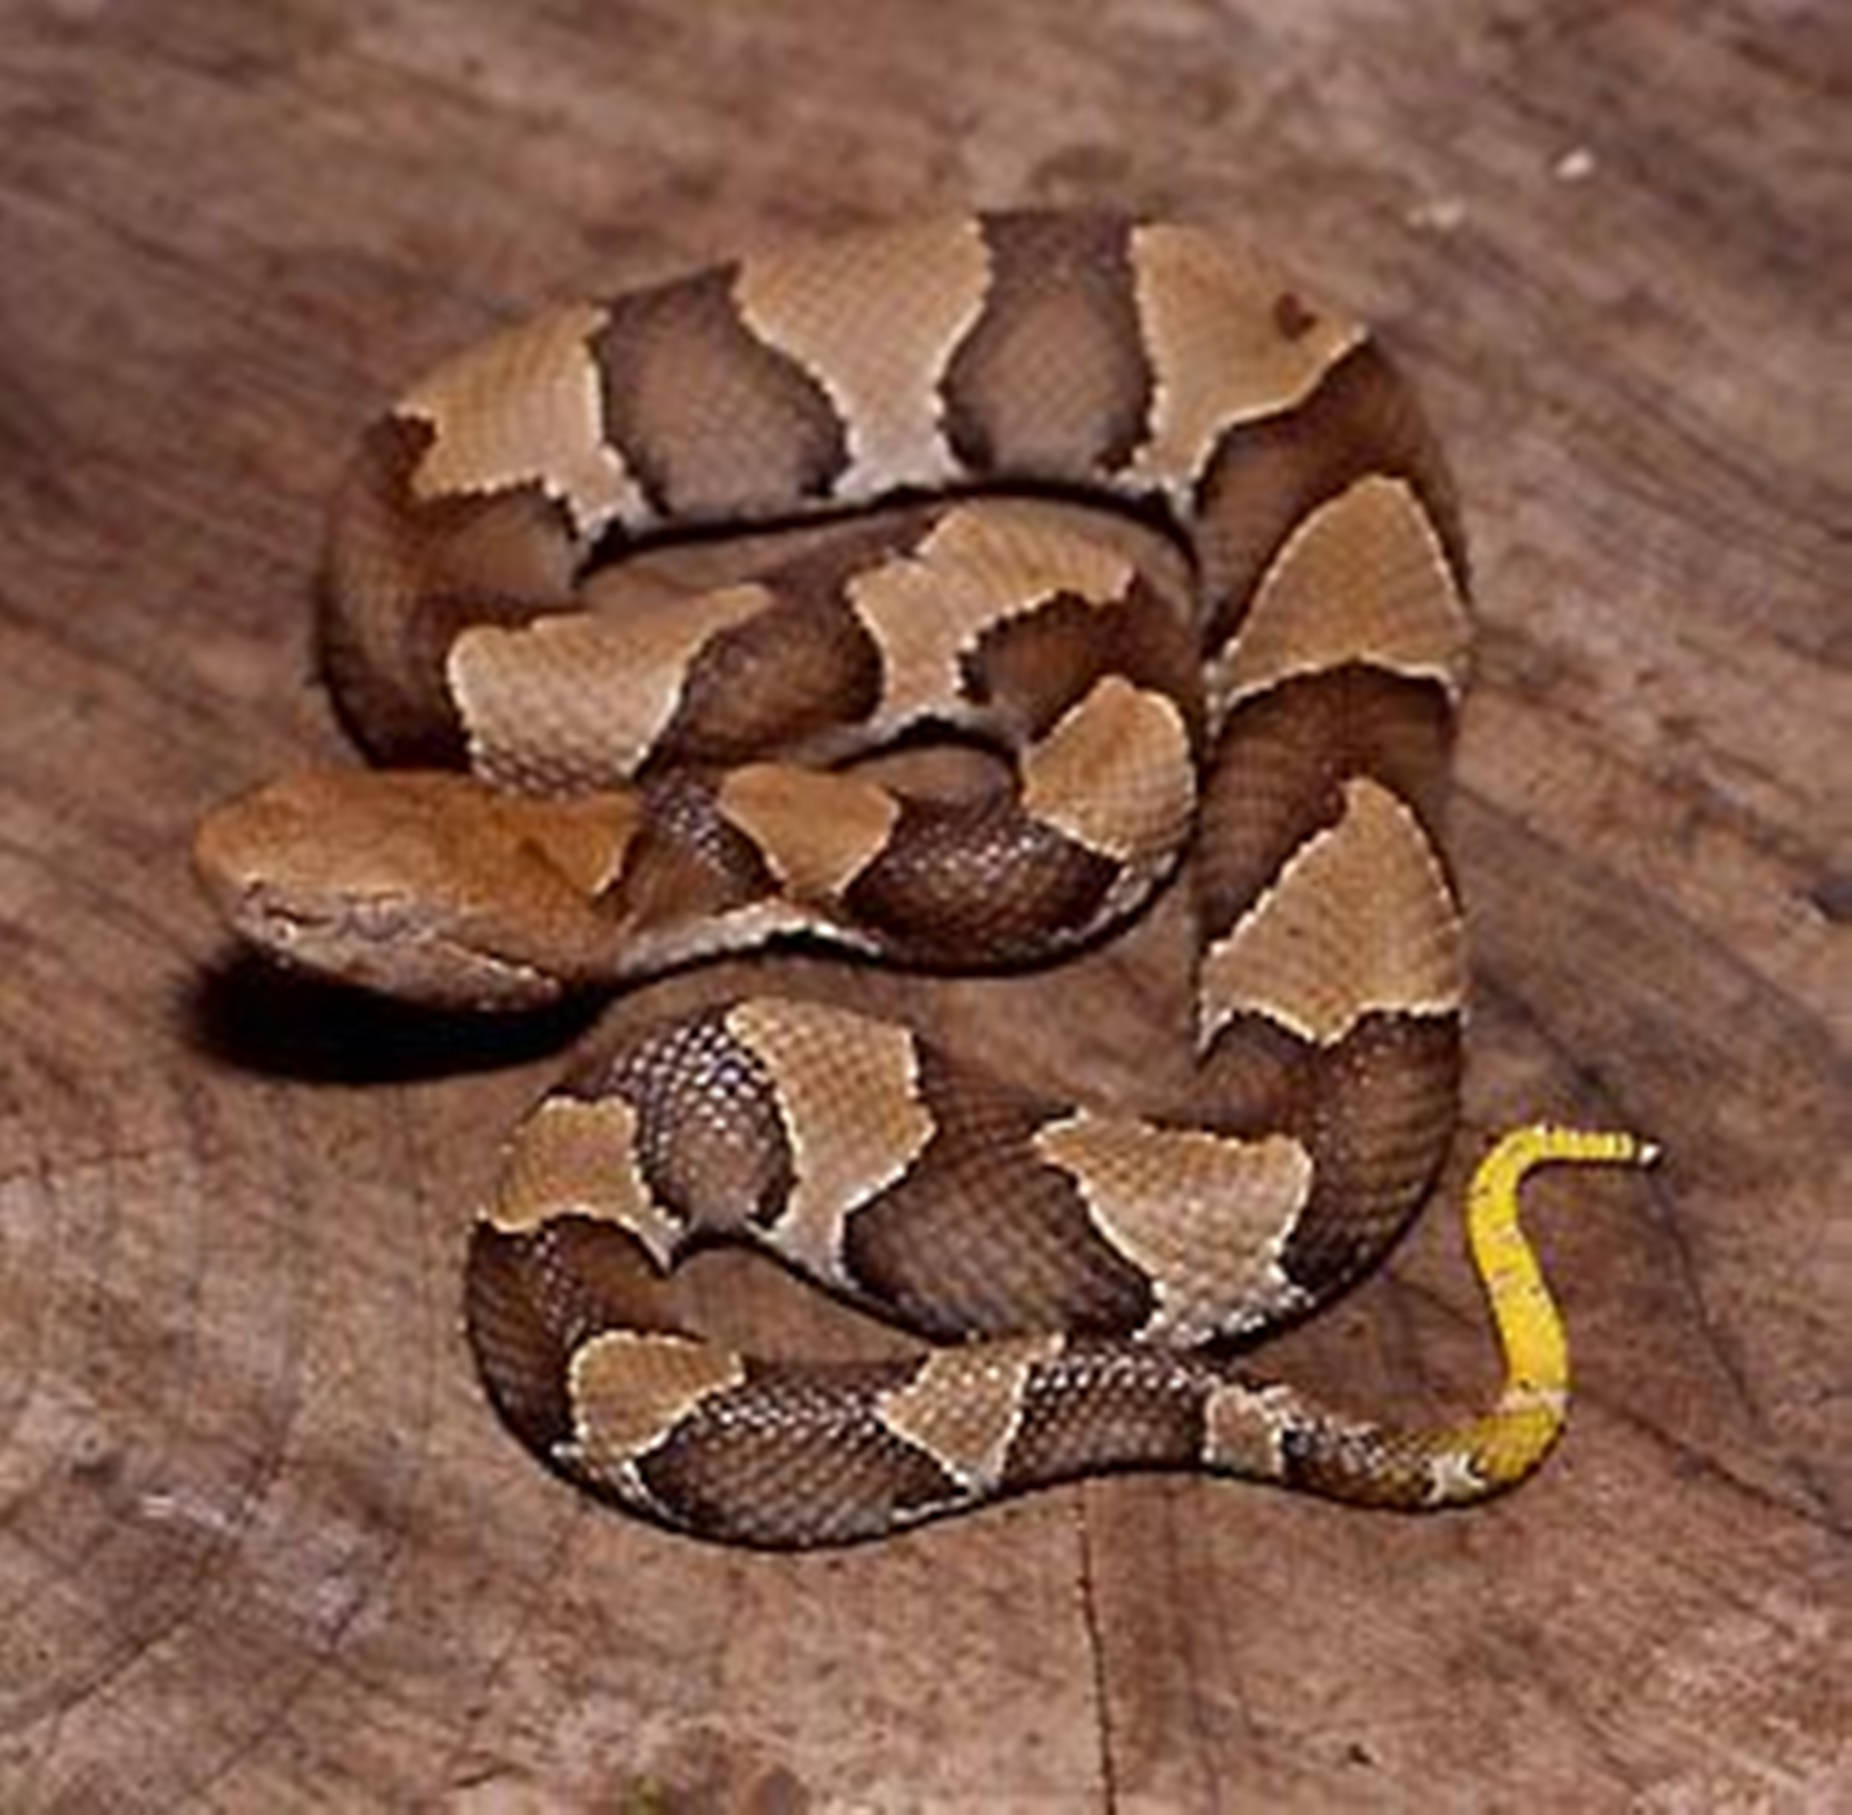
(617, 796)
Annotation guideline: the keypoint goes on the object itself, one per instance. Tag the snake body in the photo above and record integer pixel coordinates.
(581, 797)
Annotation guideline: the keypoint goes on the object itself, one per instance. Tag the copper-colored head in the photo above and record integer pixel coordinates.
(421, 884)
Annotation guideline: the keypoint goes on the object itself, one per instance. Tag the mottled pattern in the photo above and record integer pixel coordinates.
(1289, 705)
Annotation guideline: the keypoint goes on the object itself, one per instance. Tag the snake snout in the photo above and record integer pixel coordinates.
(421, 885)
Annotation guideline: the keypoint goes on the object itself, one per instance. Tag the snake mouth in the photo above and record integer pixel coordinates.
(384, 944)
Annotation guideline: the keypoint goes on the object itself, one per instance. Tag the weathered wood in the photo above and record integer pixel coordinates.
(263, 1545)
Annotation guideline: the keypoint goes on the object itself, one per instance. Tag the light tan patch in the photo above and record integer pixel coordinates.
(574, 1157)
(982, 565)
(630, 1389)
(1212, 322)
(523, 407)
(1244, 1430)
(818, 831)
(585, 838)
(964, 1405)
(1114, 774)
(1359, 918)
(847, 1094)
(873, 318)
(1204, 1215)
(576, 700)
(1027, 551)
(1363, 578)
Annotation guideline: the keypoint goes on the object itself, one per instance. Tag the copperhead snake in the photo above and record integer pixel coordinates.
(574, 798)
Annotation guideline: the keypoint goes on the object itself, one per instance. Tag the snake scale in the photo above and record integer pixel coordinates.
(574, 796)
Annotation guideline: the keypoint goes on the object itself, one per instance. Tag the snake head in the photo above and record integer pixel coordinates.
(420, 884)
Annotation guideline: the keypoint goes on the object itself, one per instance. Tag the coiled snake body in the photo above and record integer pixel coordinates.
(629, 792)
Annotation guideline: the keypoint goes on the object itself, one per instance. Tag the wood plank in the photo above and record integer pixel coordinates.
(264, 1545)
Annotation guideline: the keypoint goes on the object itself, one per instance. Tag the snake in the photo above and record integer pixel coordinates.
(1164, 538)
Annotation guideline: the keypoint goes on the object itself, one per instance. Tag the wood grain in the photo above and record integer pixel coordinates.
(262, 1545)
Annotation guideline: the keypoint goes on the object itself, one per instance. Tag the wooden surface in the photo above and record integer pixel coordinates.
(263, 1546)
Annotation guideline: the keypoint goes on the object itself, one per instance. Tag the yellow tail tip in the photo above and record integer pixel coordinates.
(1505, 1445)
(1548, 1143)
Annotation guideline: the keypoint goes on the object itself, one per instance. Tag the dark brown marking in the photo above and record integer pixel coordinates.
(796, 1455)
(711, 421)
(1257, 1078)
(1265, 477)
(1291, 316)
(1050, 382)
(1379, 1124)
(1376, 1110)
(1366, 1467)
(803, 667)
(977, 883)
(402, 576)
(710, 1144)
(688, 861)
(530, 1300)
(1101, 1406)
(1032, 668)
(980, 1236)
(1277, 776)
